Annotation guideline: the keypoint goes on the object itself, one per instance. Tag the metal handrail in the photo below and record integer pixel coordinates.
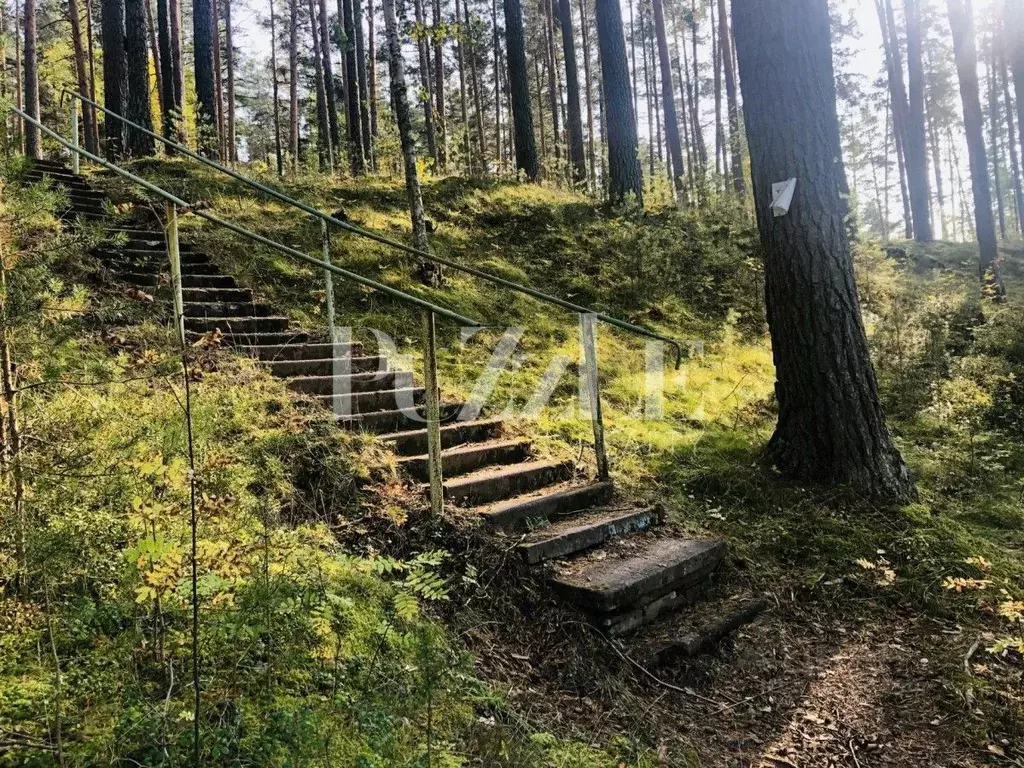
(187, 207)
(327, 218)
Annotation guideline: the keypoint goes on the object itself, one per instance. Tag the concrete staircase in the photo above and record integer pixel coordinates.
(603, 555)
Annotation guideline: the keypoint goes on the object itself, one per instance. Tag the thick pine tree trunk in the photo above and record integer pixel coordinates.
(171, 110)
(137, 57)
(82, 76)
(33, 137)
(830, 429)
(115, 74)
(577, 153)
(624, 177)
(293, 83)
(519, 83)
(675, 147)
(962, 26)
(206, 94)
(549, 52)
(330, 94)
(917, 162)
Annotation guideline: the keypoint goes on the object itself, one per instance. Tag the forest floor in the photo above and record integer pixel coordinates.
(893, 637)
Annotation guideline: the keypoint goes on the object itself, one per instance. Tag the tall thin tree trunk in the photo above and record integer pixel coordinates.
(552, 59)
(8, 386)
(170, 112)
(357, 159)
(649, 102)
(830, 428)
(330, 92)
(19, 91)
(115, 74)
(1014, 26)
(323, 120)
(624, 176)
(154, 50)
(585, 40)
(229, 51)
(481, 139)
(293, 83)
(365, 127)
(668, 97)
(33, 137)
(962, 25)
(138, 108)
(82, 76)
(203, 45)
(460, 57)
(538, 83)
(898, 97)
(496, 44)
(933, 141)
(371, 26)
(702, 151)
(519, 85)
(218, 83)
(577, 154)
(735, 139)
(721, 163)
(399, 99)
(439, 87)
(278, 153)
(917, 162)
(427, 95)
(1011, 136)
(994, 123)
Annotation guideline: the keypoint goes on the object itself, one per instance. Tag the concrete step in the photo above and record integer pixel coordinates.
(372, 401)
(468, 458)
(328, 385)
(237, 325)
(414, 442)
(584, 531)
(498, 483)
(558, 501)
(244, 341)
(625, 585)
(217, 294)
(314, 352)
(324, 367)
(65, 179)
(227, 309)
(381, 422)
(150, 254)
(141, 279)
(86, 206)
(208, 281)
(372, 381)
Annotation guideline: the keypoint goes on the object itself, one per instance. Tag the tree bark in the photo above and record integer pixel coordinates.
(994, 123)
(591, 149)
(1014, 26)
(354, 122)
(330, 93)
(293, 83)
(278, 153)
(365, 128)
(577, 154)
(649, 100)
(519, 83)
(898, 98)
(831, 428)
(549, 38)
(154, 50)
(962, 26)
(1011, 133)
(481, 139)
(721, 162)
(427, 95)
(33, 136)
(372, 41)
(496, 44)
(82, 77)
(206, 95)
(136, 54)
(115, 74)
(171, 109)
(460, 57)
(229, 50)
(218, 83)
(702, 150)
(917, 162)
(323, 134)
(735, 140)
(624, 176)
(399, 99)
(675, 148)
(437, 33)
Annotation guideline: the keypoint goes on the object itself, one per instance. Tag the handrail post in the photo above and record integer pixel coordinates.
(75, 159)
(174, 253)
(588, 336)
(433, 414)
(325, 237)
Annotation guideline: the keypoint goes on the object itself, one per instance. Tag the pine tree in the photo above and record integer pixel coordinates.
(675, 147)
(206, 93)
(522, 115)
(624, 177)
(830, 428)
(137, 105)
(115, 75)
(577, 153)
(917, 163)
(33, 138)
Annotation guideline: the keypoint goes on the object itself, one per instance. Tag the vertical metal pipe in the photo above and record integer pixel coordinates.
(75, 160)
(433, 414)
(325, 237)
(588, 335)
(174, 253)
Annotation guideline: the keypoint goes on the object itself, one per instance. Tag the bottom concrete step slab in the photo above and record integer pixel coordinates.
(467, 458)
(556, 501)
(584, 531)
(616, 579)
(382, 422)
(498, 483)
